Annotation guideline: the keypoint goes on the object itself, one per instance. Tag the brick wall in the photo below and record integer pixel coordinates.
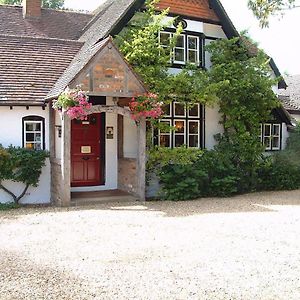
(32, 8)
(191, 8)
(127, 175)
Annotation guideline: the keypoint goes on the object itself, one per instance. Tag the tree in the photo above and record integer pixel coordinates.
(54, 4)
(263, 9)
(20, 165)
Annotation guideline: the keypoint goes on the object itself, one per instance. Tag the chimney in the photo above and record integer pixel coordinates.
(32, 8)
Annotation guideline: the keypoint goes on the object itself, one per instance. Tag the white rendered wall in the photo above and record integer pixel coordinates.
(212, 126)
(215, 31)
(192, 25)
(130, 139)
(285, 135)
(11, 134)
(111, 156)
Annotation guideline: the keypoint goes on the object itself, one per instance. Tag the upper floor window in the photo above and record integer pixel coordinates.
(34, 132)
(271, 136)
(187, 48)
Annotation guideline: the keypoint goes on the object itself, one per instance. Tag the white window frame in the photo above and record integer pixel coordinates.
(179, 133)
(276, 136)
(164, 46)
(41, 132)
(174, 109)
(193, 134)
(193, 50)
(271, 136)
(181, 48)
(165, 133)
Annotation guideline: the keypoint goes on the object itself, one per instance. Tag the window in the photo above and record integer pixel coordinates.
(193, 49)
(271, 136)
(179, 50)
(165, 134)
(187, 124)
(180, 133)
(34, 133)
(194, 130)
(179, 110)
(164, 39)
(187, 48)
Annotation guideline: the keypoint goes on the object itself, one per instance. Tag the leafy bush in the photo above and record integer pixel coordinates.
(21, 165)
(182, 182)
(8, 206)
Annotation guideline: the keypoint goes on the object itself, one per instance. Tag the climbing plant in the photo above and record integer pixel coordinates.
(20, 165)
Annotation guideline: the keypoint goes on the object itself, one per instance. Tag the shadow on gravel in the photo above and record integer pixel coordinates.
(256, 202)
(22, 278)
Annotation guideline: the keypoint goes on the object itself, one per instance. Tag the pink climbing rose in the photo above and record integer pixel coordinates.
(146, 105)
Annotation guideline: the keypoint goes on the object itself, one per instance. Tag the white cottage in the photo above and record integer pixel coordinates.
(43, 51)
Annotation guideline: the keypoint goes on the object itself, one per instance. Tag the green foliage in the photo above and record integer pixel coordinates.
(54, 4)
(21, 165)
(9, 206)
(181, 182)
(246, 99)
(282, 171)
(159, 157)
(264, 9)
(140, 45)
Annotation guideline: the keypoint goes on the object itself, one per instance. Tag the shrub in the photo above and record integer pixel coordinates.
(21, 165)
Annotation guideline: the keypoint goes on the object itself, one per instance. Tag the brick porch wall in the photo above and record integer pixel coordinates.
(127, 175)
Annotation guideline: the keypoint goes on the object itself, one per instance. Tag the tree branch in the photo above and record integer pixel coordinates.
(16, 198)
(23, 194)
(2, 187)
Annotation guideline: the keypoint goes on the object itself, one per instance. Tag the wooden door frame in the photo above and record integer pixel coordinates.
(66, 151)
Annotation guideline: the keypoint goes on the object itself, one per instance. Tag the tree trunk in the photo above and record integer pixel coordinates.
(16, 198)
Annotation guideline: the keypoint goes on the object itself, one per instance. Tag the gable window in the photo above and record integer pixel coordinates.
(179, 50)
(193, 49)
(271, 136)
(165, 39)
(187, 48)
(187, 124)
(34, 132)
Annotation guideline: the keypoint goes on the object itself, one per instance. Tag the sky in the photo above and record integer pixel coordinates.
(280, 41)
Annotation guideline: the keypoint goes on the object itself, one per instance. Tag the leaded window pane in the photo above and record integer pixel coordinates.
(179, 110)
(179, 125)
(180, 42)
(165, 141)
(194, 141)
(179, 55)
(193, 43)
(193, 127)
(179, 140)
(194, 111)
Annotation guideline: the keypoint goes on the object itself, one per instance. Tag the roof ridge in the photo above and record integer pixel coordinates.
(62, 10)
(40, 38)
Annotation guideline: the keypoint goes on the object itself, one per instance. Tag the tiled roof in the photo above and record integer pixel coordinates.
(29, 67)
(291, 96)
(101, 26)
(53, 23)
(190, 8)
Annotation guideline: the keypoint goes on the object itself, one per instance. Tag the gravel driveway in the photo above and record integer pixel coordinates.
(247, 247)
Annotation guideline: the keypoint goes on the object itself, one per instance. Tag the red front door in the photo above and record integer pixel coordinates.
(87, 165)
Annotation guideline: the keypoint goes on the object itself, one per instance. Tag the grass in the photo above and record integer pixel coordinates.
(8, 206)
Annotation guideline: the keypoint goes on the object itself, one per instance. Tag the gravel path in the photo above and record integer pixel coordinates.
(247, 247)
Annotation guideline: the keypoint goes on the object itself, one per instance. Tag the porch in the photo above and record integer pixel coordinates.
(106, 152)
